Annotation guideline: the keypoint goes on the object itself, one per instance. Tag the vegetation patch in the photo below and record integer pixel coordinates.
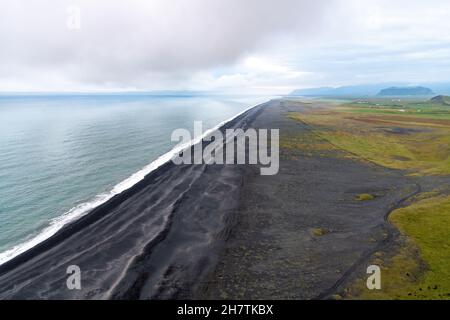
(365, 197)
(419, 144)
(421, 269)
(413, 136)
(318, 232)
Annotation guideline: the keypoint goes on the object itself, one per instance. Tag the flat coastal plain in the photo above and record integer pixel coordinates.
(304, 233)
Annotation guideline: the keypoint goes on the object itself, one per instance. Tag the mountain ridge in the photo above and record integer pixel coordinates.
(405, 91)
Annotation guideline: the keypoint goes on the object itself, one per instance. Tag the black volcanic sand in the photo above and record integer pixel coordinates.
(223, 231)
(156, 240)
(301, 234)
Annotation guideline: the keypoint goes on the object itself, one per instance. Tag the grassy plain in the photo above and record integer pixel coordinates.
(421, 268)
(410, 135)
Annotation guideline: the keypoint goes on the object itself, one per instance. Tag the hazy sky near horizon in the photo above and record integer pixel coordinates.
(251, 46)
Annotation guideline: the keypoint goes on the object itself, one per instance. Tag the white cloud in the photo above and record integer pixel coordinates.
(229, 45)
(147, 44)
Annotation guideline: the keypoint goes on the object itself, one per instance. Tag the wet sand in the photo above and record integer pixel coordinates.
(223, 231)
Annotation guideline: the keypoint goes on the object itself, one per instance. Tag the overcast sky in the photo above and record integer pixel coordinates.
(238, 46)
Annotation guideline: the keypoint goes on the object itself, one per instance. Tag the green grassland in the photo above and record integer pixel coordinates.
(387, 136)
(413, 136)
(421, 269)
(407, 108)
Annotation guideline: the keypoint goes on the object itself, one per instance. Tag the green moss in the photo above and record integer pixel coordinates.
(421, 269)
(223, 295)
(318, 232)
(365, 197)
(427, 222)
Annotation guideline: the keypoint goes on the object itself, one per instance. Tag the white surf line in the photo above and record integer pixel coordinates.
(81, 210)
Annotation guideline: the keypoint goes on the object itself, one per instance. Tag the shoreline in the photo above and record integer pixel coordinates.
(225, 231)
(100, 199)
(44, 254)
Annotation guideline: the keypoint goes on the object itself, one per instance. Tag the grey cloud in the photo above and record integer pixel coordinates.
(141, 42)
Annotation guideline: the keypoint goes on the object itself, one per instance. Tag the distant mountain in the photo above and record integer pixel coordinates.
(371, 90)
(439, 87)
(445, 100)
(405, 91)
(345, 91)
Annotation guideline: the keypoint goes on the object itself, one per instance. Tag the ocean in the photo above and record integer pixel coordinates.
(62, 155)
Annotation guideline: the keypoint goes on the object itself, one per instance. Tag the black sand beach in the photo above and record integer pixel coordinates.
(223, 231)
(156, 240)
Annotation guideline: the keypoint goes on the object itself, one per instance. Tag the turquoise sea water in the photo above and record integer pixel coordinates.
(62, 155)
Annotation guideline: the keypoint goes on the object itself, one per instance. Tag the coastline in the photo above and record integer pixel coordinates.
(84, 208)
(225, 231)
(184, 177)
